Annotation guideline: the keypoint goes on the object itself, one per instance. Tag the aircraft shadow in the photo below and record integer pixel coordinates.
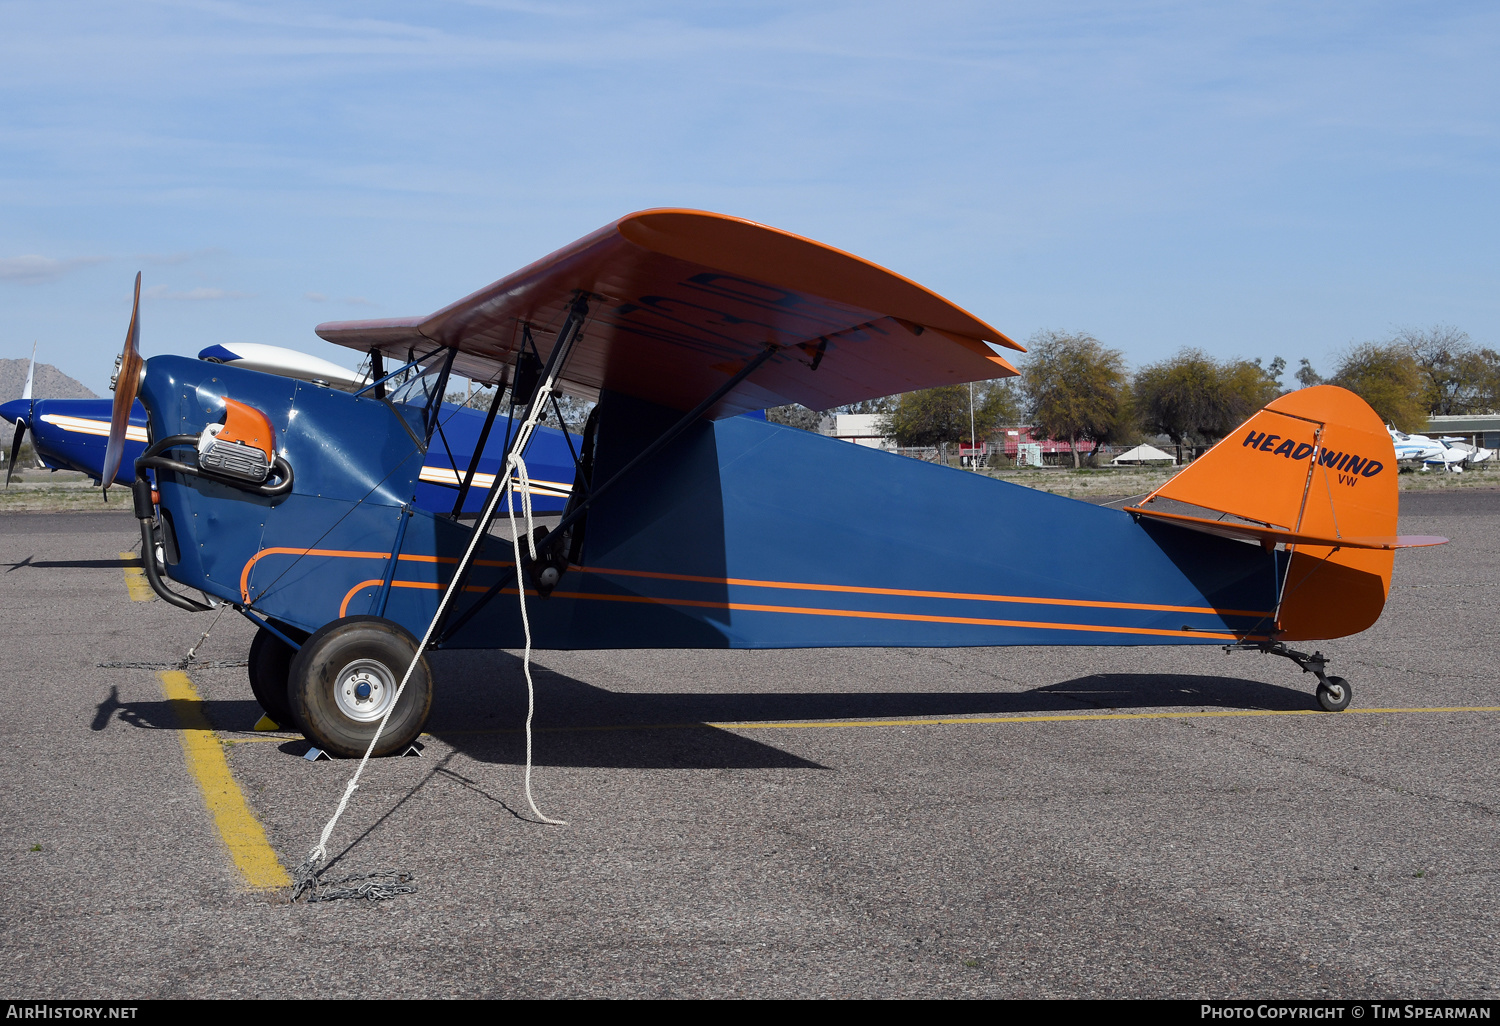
(163, 714)
(72, 564)
(581, 725)
(69, 564)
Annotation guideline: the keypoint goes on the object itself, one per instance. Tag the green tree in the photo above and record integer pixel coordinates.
(1306, 376)
(1250, 386)
(933, 416)
(930, 416)
(881, 405)
(1076, 388)
(1459, 374)
(796, 416)
(997, 403)
(1193, 397)
(1183, 398)
(1486, 398)
(1388, 377)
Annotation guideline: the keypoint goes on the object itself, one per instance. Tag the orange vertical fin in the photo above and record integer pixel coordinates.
(1315, 470)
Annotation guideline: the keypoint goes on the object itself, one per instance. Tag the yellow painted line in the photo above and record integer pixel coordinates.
(242, 833)
(961, 721)
(135, 581)
(1074, 717)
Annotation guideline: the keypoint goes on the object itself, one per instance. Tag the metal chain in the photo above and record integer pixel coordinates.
(192, 653)
(369, 887)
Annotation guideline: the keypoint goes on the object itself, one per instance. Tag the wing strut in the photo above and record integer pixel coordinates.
(551, 539)
(572, 328)
(484, 437)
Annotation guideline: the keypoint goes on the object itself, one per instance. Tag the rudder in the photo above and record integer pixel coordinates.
(1316, 463)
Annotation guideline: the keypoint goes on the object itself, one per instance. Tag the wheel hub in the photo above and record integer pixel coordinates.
(364, 690)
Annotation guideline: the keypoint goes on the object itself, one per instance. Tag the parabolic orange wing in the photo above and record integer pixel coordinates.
(681, 299)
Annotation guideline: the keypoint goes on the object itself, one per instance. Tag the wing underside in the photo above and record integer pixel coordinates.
(680, 300)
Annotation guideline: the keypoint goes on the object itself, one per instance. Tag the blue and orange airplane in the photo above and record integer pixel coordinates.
(689, 526)
(73, 434)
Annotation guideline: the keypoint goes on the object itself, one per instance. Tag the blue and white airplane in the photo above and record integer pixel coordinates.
(72, 434)
(1446, 452)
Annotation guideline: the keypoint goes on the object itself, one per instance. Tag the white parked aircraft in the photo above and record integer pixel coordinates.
(1477, 454)
(1449, 453)
(1414, 448)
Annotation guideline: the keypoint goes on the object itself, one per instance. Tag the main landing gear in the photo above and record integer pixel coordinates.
(338, 686)
(270, 667)
(1334, 693)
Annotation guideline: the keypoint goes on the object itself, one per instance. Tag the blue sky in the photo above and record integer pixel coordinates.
(1253, 179)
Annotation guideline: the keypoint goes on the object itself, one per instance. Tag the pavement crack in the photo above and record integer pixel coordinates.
(1347, 773)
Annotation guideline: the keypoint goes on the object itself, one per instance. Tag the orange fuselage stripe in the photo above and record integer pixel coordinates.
(871, 615)
(345, 554)
(795, 586)
(424, 585)
(904, 593)
(811, 611)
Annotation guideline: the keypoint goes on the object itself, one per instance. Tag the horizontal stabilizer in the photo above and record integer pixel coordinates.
(1275, 536)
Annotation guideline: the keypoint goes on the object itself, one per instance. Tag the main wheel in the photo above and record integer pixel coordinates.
(344, 679)
(270, 665)
(1334, 695)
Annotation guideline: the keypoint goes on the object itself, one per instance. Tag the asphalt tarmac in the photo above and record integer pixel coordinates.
(1300, 854)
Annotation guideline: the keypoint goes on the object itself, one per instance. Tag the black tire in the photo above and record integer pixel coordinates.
(270, 666)
(1335, 695)
(330, 667)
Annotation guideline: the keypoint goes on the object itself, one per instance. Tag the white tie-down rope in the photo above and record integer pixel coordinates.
(519, 466)
(515, 467)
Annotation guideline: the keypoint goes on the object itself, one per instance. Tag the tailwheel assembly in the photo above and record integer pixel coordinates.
(344, 679)
(1334, 693)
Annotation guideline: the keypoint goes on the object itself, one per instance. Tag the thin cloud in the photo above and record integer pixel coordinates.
(34, 269)
(359, 301)
(193, 295)
(315, 297)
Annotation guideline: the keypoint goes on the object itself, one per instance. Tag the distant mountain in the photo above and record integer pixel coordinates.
(50, 383)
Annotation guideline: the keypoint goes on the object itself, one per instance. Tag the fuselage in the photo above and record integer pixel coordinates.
(739, 534)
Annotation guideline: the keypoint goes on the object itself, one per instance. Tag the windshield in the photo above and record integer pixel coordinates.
(414, 397)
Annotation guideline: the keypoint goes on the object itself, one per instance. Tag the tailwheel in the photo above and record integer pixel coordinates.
(344, 679)
(270, 666)
(1334, 694)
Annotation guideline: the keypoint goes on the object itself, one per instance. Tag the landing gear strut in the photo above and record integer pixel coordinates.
(1334, 693)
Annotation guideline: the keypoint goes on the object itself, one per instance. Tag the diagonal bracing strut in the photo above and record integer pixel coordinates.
(688, 419)
(572, 328)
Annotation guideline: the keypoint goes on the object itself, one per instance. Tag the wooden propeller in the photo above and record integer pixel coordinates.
(126, 384)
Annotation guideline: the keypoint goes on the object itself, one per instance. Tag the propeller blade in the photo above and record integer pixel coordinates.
(15, 450)
(127, 383)
(30, 373)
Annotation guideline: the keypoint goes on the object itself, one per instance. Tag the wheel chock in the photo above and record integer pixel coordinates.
(266, 723)
(318, 755)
